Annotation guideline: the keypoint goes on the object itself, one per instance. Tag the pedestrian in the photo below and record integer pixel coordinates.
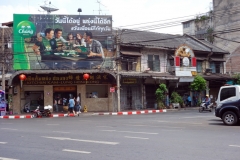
(56, 104)
(78, 104)
(189, 99)
(71, 105)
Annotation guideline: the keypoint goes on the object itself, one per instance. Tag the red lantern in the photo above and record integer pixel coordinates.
(86, 76)
(22, 77)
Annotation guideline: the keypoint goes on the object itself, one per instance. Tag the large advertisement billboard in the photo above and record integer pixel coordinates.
(61, 41)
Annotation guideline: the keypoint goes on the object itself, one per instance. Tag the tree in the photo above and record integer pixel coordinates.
(160, 94)
(199, 84)
(237, 78)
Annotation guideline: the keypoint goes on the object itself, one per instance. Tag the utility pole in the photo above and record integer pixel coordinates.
(3, 65)
(118, 77)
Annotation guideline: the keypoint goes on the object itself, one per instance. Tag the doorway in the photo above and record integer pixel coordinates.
(62, 95)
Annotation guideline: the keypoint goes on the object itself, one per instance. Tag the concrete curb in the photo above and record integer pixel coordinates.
(16, 116)
(131, 112)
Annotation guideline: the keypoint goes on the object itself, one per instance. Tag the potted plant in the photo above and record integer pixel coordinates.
(160, 95)
(176, 100)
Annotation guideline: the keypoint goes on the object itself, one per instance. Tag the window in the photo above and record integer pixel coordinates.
(154, 62)
(127, 66)
(199, 66)
(96, 91)
(216, 67)
(227, 93)
(186, 25)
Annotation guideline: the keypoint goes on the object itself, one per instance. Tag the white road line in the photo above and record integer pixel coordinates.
(3, 158)
(197, 117)
(128, 132)
(82, 140)
(61, 132)
(3, 142)
(179, 122)
(52, 124)
(135, 137)
(69, 150)
(9, 129)
(154, 126)
(234, 146)
(105, 126)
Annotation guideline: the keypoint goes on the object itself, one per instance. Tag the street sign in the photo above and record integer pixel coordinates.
(112, 89)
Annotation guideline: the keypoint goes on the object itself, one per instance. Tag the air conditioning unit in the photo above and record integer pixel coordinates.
(208, 71)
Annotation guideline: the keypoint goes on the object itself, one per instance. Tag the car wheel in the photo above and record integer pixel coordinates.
(229, 118)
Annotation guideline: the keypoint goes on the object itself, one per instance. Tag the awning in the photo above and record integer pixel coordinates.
(218, 59)
(132, 53)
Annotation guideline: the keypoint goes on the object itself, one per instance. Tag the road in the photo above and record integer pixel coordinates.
(176, 135)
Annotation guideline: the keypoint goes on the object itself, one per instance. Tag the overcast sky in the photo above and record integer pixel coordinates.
(125, 13)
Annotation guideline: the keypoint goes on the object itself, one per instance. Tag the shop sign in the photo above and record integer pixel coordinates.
(94, 78)
(112, 89)
(129, 81)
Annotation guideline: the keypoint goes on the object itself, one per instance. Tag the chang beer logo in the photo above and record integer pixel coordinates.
(26, 29)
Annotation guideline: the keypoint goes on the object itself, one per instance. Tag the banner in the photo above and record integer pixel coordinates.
(61, 41)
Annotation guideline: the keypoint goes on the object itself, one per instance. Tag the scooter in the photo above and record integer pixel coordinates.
(204, 107)
(46, 112)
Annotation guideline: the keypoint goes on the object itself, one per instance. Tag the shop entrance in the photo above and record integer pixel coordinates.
(61, 95)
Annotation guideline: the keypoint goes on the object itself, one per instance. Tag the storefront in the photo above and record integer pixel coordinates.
(43, 89)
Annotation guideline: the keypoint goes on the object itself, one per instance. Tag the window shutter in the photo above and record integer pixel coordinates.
(177, 61)
(194, 62)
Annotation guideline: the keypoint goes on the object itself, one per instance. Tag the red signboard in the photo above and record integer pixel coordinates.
(112, 89)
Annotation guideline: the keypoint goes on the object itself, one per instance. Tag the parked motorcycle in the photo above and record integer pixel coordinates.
(204, 107)
(46, 112)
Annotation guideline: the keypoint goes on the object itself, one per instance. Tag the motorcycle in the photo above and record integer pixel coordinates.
(204, 107)
(46, 112)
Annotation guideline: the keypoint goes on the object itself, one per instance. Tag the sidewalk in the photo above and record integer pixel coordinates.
(61, 114)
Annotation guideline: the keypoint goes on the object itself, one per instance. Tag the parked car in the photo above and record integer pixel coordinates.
(228, 104)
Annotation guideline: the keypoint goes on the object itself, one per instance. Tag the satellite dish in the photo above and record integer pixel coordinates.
(49, 8)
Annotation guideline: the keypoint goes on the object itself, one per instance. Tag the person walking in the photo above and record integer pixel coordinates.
(189, 99)
(71, 106)
(78, 104)
(56, 104)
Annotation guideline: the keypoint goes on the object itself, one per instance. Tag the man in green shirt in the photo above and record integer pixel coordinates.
(44, 47)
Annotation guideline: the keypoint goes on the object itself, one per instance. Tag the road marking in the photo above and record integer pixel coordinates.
(135, 137)
(9, 129)
(180, 122)
(68, 150)
(3, 142)
(82, 140)
(52, 124)
(105, 126)
(3, 158)
(197, 117)
(154, 126)
(61, 132)
(6, 123)
(234, 146)
(128, 132)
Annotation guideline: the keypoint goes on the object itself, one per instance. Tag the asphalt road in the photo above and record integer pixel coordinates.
(180, 135)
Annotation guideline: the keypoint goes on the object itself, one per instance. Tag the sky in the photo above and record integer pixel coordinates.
(127, 14)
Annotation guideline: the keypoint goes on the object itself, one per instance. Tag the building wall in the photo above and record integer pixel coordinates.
(189, 30)
(227, 18)
(162, 57)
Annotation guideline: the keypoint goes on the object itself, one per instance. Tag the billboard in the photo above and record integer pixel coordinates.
(61, 41)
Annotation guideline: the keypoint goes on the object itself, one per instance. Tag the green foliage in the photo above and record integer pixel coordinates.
(210, 36)
(198, 84)
(160, 94)
(237, 78)
(176, 98)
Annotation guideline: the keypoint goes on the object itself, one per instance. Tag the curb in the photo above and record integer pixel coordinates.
(72, 115)
(131, 112)
(16, 117)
